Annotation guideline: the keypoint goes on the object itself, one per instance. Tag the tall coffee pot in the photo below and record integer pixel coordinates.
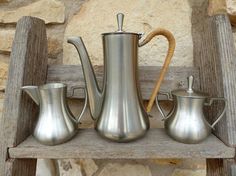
(118, 108)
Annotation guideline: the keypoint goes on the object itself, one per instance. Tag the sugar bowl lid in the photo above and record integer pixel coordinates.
(189, 92)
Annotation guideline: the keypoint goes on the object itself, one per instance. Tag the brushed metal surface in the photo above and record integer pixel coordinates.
(123, 117)
(186, 121)
(118, 109)
(55, 124)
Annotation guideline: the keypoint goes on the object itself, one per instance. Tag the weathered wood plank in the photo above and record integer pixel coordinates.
(233, 170)
(156, 144)
(221, 167)
(218, 73)
(28, 66)
(227, 76)
(206, 56)
(215, 167)
(230, 167)
(20, 167)
(176, 77)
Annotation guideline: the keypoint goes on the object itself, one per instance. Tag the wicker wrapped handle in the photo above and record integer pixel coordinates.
(169, 36)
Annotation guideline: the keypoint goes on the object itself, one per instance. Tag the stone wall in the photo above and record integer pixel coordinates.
(90, 18)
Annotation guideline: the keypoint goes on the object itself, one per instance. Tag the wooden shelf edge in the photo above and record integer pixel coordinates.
(156, 144)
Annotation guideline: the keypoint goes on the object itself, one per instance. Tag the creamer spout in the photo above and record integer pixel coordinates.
(33, 92)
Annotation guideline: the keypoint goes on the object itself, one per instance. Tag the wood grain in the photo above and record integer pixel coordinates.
(226, 76)
(221, 167)
(215, 167)
(218, 73)
(208, 56)
(230, 167)
(176, 77)
(156, 144)
(15, 167)
(28, 66)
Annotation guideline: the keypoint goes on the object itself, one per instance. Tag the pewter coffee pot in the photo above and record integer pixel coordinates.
(55, 124)
(118, 109)
(186, 122)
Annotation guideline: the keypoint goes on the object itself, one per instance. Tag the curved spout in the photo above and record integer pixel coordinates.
(95, 96)
(33, 92)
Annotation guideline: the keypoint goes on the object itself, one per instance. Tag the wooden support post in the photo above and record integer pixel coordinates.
(225, 74)
(230, 167)
(217, 63)
(218, 76)
(221, 167)
(215, 167)
(15, 167)
(214, 54)
(28, 66)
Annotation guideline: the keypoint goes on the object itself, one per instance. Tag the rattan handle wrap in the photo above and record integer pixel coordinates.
(169, 36)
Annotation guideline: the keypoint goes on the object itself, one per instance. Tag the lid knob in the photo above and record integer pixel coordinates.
(120, 19)
(190, 84)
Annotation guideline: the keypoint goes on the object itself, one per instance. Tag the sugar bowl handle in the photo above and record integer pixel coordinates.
(167, 94)
(222, 113)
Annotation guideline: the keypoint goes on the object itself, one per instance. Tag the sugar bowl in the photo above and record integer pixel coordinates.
(186, 121)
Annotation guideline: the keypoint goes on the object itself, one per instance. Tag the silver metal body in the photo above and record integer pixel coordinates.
(117, 109)
(55, 124)
(186, 121)
(122, 117)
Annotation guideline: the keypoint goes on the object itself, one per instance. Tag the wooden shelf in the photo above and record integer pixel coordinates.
(156, 144)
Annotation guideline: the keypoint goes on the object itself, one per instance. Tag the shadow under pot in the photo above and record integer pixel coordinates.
(186, 122)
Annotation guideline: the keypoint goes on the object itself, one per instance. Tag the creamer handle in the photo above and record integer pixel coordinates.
(78, 117)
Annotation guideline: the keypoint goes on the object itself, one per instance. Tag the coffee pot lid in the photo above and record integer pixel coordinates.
(120, 19)
(189, 92)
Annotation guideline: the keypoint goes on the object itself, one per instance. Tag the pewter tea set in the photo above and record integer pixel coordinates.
(118, 109)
